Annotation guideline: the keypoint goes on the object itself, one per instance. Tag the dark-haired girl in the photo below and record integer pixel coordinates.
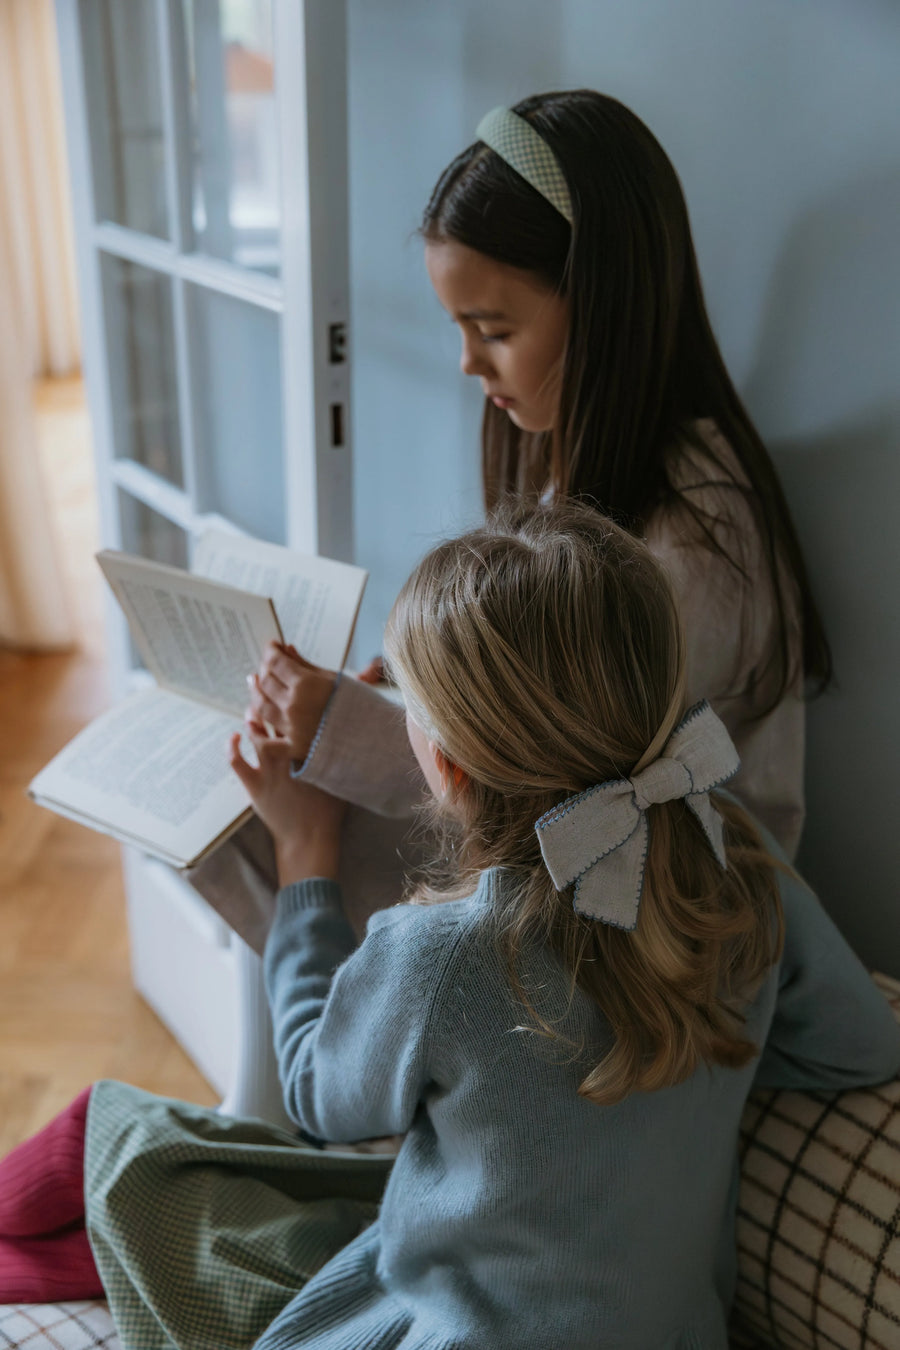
(559, 243)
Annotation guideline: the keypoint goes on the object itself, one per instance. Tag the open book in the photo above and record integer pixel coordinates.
(153, 771)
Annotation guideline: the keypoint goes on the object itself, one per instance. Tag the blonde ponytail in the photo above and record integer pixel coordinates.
(544, 654)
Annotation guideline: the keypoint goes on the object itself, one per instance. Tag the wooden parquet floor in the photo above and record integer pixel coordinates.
(68, 1012)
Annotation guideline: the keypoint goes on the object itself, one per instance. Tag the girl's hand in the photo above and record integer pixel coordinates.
(290, 695)
(305, 822)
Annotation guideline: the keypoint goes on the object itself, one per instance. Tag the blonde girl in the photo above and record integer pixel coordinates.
(563, 1025)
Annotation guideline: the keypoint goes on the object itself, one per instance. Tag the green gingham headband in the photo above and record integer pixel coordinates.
(517, 142)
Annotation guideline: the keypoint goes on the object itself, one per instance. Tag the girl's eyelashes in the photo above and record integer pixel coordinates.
(464, 325)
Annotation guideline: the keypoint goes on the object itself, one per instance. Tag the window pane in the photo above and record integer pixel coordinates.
(235, 198)
(147, 533)
(237, 402)
(138, 306)
(124, 105)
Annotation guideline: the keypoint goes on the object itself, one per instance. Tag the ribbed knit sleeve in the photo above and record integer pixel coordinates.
(361, 752)
(353, 1029)
(832, 1028)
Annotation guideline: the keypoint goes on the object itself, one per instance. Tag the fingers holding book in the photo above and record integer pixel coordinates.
(304, 822)
(289, 695)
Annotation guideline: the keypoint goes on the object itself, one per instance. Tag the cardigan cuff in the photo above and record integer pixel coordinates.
(361, 752)
(298, 767)
(312, 893)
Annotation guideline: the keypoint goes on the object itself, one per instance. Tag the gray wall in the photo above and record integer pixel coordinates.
(783, 120)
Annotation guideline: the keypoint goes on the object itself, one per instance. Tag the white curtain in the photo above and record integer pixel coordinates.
(34, 189)
(38, 317)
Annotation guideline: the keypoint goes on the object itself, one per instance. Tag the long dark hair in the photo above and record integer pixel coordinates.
(641, 365)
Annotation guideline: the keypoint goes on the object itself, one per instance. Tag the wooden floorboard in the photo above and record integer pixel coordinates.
(68, 1012)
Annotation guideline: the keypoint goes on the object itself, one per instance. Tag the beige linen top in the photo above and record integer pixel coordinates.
(362, 755)
(731, 625)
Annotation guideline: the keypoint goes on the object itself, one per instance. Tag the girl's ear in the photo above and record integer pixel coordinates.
(449, 772)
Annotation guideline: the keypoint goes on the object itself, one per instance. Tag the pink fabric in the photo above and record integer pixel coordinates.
(42, 1181)
(45, 1254)
(50, 1269)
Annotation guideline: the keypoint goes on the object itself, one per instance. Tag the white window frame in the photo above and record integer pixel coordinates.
(311, 300)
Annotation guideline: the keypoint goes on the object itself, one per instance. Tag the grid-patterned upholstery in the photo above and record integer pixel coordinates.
(819, 1216)
(57, 1326)
(818, 1230)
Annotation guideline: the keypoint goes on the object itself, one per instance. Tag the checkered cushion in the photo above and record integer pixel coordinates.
(57, 1326)
(819, 1216)
(88, 1326)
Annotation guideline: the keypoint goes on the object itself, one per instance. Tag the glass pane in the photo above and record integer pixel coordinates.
(141, 351)
(237, 401)
(124, 105)
(235, 192)
(147, 533)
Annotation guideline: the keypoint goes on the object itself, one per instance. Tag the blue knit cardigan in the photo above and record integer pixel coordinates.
(518, 1215)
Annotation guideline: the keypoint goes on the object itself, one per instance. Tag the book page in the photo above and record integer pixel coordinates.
(153, 769)
(316, 599)
(196, 637)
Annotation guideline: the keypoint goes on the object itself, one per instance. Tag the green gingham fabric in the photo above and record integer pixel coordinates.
(204, 1227)
(517, 142)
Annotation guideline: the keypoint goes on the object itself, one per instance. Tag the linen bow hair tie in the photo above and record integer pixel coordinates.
(599, 838)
